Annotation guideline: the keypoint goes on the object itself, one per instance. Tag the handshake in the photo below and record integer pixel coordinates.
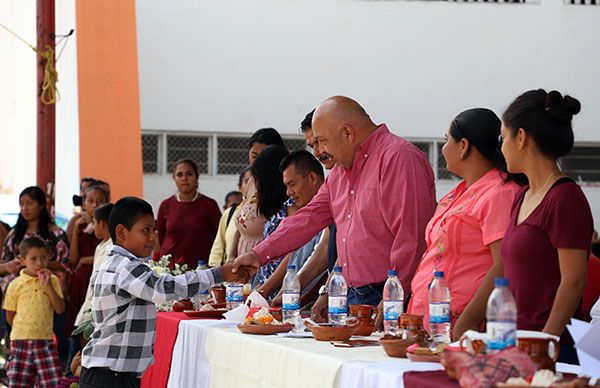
(241, 269)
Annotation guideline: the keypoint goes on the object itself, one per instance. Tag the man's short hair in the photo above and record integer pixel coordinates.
(33, 242)
(306, 124)
(102, 213)
(127, 211)
(304, 162)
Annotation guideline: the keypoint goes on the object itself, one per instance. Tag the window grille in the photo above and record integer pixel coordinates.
(188, 147)
(150, 154)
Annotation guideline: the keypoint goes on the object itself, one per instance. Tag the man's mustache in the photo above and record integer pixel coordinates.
(324, 156)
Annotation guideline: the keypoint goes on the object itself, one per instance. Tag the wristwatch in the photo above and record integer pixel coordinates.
(323, 290)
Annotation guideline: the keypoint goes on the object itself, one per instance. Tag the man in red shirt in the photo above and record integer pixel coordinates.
(380, 195)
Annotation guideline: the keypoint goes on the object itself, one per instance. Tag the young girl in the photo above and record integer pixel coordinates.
(83, 246)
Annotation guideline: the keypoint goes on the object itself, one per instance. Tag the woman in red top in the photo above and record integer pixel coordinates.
(187, 221)
(546, 247)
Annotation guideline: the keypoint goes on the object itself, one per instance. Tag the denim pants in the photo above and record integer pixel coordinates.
(370, 294)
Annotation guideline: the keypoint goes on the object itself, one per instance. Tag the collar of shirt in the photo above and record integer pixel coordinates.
(119, 250)
(26, 276)
(365, 149)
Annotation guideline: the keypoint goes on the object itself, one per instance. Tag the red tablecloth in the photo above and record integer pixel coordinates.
(167, 326)
(431, 379)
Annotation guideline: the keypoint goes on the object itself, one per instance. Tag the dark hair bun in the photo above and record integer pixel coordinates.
(561, 108)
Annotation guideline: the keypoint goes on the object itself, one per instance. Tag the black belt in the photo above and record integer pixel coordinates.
(368, 288)
(115, 373)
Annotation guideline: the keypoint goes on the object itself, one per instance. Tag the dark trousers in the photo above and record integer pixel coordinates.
(105, 378)
(370, 294)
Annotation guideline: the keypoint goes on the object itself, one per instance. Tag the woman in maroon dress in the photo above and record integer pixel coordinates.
(546, 247)
(188, 221)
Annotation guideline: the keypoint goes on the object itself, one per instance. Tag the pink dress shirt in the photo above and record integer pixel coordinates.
(381, 206)
(466, 222)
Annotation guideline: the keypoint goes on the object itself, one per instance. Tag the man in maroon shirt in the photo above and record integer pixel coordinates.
(380, 195)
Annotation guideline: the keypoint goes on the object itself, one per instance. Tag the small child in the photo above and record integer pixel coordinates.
(100, 221)
(125, 291)
(30, 303)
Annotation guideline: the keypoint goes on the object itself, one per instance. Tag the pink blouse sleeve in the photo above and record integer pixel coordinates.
(494, 213)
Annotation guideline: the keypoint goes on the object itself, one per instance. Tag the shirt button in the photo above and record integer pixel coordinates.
(344, 240)
(345, 264)
(268, 257)
(349, 216)
(351, 191)
(366, 155)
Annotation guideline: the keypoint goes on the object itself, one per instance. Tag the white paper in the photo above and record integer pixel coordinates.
(587, 343)
(238, 314)
(256, 300)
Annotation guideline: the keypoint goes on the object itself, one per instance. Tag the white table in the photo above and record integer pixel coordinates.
(211, 353)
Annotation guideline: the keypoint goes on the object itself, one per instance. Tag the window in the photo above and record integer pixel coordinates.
(215, 154)
(150, 154)
(188, 147)
(583, 163)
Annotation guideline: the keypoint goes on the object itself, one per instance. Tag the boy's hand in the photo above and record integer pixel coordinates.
(44, 276)
(243, 274)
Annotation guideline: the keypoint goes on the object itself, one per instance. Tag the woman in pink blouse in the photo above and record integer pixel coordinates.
(464, 235)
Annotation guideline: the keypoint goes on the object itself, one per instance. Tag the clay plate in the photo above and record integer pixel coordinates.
(424, 357)
(205, 314)
(265, 329)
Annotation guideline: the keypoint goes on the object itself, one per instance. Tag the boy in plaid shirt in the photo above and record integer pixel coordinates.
(125, 291)
(30, 302)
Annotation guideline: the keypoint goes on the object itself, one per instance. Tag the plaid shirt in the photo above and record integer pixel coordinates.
(125, 291)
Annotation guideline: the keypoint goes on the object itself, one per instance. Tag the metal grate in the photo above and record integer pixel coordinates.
(426, 147)
(582, 2)
(232, 154)
(294, 144)
(150, 153)
(583, 163)
(442, 170)
(188, 147)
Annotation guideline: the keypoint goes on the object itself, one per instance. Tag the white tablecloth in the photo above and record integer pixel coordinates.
(211, 353)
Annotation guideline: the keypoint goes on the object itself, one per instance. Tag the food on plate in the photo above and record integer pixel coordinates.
(541, 378)
(426, 350)
(207, 307)
(261, 317)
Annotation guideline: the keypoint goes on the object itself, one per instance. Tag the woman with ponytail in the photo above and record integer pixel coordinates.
(547, 244)
(465, 233)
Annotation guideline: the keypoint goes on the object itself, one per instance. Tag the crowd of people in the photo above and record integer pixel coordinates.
(514, 213)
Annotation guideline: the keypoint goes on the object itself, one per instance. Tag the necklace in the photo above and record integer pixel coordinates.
(546, 184)
(530, 203)
(193, 199)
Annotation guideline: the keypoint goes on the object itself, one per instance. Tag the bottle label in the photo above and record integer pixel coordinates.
(337, 305)
(501, 335)
(392, 309)
(290, 301)
(439, 312)
(235, 293)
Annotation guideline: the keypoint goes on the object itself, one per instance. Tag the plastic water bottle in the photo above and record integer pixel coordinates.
(439, 309)
(290, 305)
(338, 298)
(393, 302)
(202, 295)
(501, 317)
(235, 295)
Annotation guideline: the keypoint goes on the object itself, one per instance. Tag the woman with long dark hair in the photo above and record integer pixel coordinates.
(465, 233)
(269, 196)
(546, 247)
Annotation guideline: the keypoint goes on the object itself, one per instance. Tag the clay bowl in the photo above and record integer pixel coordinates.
(396, 346)
(218, 294)
(328, 332)
(183, 304)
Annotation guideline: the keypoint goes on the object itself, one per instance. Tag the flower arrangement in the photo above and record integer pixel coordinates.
(167, 265)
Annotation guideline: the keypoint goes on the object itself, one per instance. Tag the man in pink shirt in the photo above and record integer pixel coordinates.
(380, 195)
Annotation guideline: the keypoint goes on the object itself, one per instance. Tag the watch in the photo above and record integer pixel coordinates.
(323, 290)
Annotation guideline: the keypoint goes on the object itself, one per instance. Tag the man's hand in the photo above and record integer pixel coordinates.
(319, 311)
(249, 260)
(379, 318)
(243, 274)
(276, 302)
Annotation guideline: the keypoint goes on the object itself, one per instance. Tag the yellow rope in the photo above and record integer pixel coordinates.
(49, 93)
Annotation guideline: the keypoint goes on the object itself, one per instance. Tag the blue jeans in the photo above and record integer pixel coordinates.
(370, 294)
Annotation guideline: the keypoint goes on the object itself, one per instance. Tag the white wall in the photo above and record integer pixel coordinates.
(17, 100)
(18, 120)
(238, 65)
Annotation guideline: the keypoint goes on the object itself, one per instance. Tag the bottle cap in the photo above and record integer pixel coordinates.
(438, 274)
(337, 269)
(292, 267)
(501, 282)
(392, 272)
